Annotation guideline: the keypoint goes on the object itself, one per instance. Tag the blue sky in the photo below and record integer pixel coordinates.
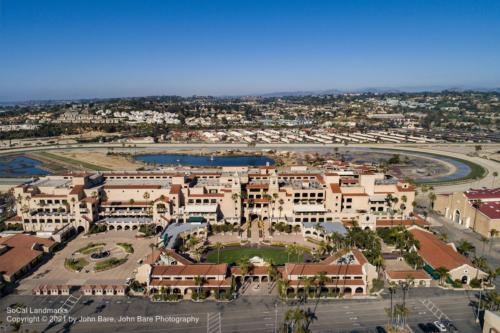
(76, 48)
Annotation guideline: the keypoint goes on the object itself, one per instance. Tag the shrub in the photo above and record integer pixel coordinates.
(108, 264)
(75, 264)
(377, 284)
(475, 283)
(127, 247)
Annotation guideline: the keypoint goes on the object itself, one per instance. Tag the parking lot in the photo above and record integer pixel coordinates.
(251, 313)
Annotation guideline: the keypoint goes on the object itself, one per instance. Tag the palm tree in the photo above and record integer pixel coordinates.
(199, 281)
(152, 246)
(320, 280)
(443, 274)
(283, 286)
(401, 311)
(272, 271)
(295, 320)
(392, 290)
(280, 207)
(493, 233)
(476, 204)
(244, 266)
(146, 197)
(308, 281)
(290, 250)
(484, 240)
(492, 301)
(218, 246)
(495, 175)
(432, 198)
(465, 247)
(378, 261)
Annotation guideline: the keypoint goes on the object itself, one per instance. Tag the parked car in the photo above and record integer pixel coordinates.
(449, 325)
(423, 327)
(440, 326)
(431, 328)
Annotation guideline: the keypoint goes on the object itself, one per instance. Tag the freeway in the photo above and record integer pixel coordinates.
(247, 314)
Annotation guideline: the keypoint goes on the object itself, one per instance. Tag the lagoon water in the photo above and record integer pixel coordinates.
(195, 160)
(20, 166)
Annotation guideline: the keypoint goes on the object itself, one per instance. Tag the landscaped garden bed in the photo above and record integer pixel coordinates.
(109, 264)
(90, 247)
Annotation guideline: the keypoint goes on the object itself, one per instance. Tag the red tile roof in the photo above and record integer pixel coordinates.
(485, 193)
(77, 189)
(437, 253)
(190, 270)
(315, 268)
(491, 209)
(207, 195)
(407, 189)
(190, 283)
(175, 189)
(132, 187)
(335, 188)
(333, 283)
(20, 252)
(400, 275)
(407, 222)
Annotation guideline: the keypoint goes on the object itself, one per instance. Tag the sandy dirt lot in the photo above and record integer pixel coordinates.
(114, 162)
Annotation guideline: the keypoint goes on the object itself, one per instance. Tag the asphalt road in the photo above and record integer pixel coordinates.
(247, 314)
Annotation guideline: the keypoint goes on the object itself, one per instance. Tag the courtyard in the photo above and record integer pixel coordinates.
(100, 271)
(277, 255)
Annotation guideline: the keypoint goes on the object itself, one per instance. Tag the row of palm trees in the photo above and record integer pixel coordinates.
(317, 281)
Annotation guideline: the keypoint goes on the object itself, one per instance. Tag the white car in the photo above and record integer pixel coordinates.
(440, 326)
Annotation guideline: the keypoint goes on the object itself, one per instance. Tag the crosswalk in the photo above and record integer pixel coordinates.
(213, 322)
(70, 302)
(433, 308)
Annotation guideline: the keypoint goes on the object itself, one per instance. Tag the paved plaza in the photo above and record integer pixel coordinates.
(54, 272)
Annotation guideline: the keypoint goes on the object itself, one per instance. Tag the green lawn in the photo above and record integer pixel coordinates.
(231, 256)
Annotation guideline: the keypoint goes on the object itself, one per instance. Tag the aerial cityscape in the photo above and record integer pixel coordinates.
(253, 166)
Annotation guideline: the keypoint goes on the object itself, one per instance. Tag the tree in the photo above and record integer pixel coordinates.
(432, 198)
(443, 274)
(485, 241)
(283, 286)
(465, 247)
(218, 246)
(244, 265)
(146, 197)
(152, 246)
(493, 233)
(199, 281)
(392, 290)
(495, 175)
(308, 281)
(320, 280)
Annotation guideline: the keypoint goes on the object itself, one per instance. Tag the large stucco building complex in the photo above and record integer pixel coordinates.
(126, 200)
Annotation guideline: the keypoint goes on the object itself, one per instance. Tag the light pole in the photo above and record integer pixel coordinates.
(479, 304)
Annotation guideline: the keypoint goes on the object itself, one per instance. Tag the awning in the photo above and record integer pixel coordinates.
(195, 219)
